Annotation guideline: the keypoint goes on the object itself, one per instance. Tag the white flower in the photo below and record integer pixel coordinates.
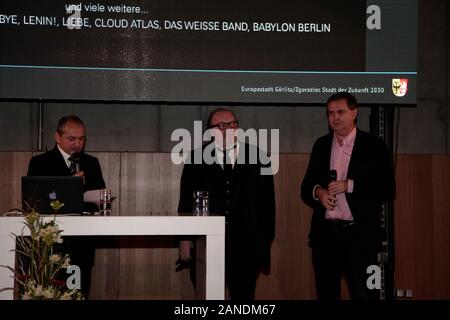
(58, 239)
(48, 293)
(27, 295)
(41, 282)
(66, 296)
(66, 263)
(55, 258)
(38, 291)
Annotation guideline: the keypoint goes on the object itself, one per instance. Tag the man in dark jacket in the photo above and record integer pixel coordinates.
(345, 234)
(67, 158)
(70, 139)
(238, 191)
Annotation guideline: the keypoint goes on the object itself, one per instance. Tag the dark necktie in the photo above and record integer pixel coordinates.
(72, 167)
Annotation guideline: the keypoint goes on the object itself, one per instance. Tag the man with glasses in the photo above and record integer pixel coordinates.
(238, 191)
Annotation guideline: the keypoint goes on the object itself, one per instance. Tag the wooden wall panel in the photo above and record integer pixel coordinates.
(110, 163)
(105, 273)
(13, 165)
(441, 227)
(413, 223)
(422, 224)
(291, 274)
(148, 184)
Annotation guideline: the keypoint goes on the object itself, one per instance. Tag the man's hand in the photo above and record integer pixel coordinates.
(326, 198)
(336, 187)
(184, 252)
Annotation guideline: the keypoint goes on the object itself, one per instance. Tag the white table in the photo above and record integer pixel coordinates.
(211, 227)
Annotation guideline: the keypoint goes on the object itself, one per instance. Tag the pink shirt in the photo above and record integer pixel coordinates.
(340, 159)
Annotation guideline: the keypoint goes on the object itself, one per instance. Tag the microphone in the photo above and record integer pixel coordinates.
(76, 161)
(333, 177)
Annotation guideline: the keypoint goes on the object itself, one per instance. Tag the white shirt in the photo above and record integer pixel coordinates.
(65, 155)
(340, 159)
(232, 154)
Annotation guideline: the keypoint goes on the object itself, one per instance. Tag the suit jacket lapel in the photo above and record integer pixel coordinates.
(327, 151)
(60, 161)
(217, 167)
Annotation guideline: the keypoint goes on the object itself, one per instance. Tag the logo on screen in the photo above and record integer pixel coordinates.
(400, 87)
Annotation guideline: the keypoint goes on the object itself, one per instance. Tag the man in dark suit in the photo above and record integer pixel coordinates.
(345, 234)
(238, 191)
(70, 139)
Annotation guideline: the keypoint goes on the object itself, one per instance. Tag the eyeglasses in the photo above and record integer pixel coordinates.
(225, 125)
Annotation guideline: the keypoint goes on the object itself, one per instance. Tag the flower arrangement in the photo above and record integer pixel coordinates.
(40, 264)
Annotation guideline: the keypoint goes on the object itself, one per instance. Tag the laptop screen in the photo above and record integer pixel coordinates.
(39, 192)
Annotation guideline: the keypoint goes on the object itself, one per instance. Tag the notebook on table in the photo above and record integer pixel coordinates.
(38, 192)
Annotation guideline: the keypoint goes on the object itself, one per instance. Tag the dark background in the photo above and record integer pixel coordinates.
(114, 64)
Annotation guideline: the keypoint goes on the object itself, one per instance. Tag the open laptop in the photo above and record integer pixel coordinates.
(38, 192)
